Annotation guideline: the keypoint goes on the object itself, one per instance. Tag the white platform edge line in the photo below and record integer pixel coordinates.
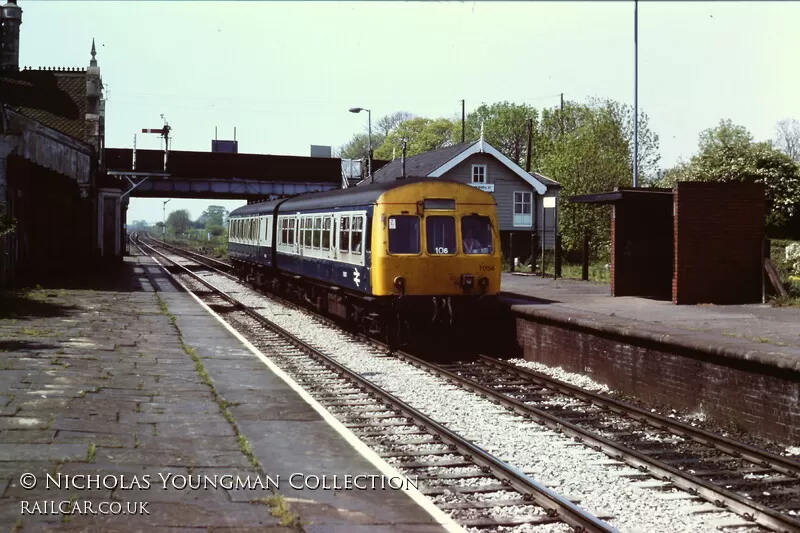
(385, 468)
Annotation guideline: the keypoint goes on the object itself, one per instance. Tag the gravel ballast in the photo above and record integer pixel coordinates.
(571, 469)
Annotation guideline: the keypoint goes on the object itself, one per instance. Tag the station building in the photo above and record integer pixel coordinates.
(55, 201)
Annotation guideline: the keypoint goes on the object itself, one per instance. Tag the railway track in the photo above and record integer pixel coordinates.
(412, 442)
(761, 487)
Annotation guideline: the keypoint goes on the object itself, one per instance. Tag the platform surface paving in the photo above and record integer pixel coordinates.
(98, 379)
(751, 326)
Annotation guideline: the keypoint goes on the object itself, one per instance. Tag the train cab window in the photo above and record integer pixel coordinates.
(476, 232)
(326, 233)
(317, 232)
(357, 235)
(344, 235)
(441, 235)
(403, 234)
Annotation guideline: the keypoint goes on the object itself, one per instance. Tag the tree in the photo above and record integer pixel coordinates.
(356, 147)
(389, 123)
(504, 126)
(727, 152)
(584, 148)
(421, 135)
(179, 221)
(788, 138)
(139, 225)
(648, 150)
(214, 215)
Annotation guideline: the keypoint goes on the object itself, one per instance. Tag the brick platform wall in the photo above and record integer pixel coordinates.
(719, 230)
(738, 394)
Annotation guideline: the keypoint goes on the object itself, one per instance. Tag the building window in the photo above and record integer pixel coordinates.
(523, 209)
(478, 173)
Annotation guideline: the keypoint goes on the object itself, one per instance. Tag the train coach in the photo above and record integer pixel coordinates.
(398, 257)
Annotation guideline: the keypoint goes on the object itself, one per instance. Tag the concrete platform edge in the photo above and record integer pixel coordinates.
(385, 468)
(737, 349)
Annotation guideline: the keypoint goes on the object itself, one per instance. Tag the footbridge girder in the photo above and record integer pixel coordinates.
(214, 175)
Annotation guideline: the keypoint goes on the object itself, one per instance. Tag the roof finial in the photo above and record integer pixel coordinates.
(93, 62)
(481, 136)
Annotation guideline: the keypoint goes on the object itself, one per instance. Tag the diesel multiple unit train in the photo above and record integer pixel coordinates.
(399, 258)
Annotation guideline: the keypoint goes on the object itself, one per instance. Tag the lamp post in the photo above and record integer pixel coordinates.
(164, 215)
(369, 138)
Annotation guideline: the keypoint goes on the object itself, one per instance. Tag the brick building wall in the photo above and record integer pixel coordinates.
(735, 393)
(719, 231)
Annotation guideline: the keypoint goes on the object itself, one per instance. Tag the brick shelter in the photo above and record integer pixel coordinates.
(719, 234)
(697, 243)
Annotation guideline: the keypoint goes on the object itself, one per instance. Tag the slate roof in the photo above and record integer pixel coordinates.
(544, 179)
(418, 165)
(55, 98)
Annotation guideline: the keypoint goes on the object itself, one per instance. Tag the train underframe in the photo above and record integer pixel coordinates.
(429, 322)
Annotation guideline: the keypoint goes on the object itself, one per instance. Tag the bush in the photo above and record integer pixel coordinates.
(792, 255)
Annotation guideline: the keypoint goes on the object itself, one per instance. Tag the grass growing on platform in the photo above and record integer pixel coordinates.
(280, 509)
(598, 272)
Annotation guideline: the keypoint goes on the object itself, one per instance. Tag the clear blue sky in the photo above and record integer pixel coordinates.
(285, 73)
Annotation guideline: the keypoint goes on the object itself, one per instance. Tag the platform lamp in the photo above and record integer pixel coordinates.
(369, 138)
(164, 215)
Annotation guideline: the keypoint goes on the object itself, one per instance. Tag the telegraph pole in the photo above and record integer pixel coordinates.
(462, 121)
(635, 93)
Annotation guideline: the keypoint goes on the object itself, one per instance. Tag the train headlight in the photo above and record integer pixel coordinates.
(467, 281)
(483, 282)
(400, 282)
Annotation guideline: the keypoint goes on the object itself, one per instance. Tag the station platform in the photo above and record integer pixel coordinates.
(758, 327)
(736, 367)
(126, 403)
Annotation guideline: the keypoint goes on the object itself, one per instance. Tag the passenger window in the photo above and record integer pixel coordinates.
(326, 233)
(292, 224)
(317, 232)
(357, 235)
(441, 235)
(403, 234)
(344, 235)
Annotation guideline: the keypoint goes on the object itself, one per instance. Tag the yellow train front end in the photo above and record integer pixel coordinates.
(436, 250)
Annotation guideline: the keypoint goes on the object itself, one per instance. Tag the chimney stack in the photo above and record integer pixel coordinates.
(10, 21)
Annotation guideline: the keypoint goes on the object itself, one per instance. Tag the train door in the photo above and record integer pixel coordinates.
(334, 238)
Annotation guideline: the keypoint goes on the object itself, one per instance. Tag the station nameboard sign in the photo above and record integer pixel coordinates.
(487, 187)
